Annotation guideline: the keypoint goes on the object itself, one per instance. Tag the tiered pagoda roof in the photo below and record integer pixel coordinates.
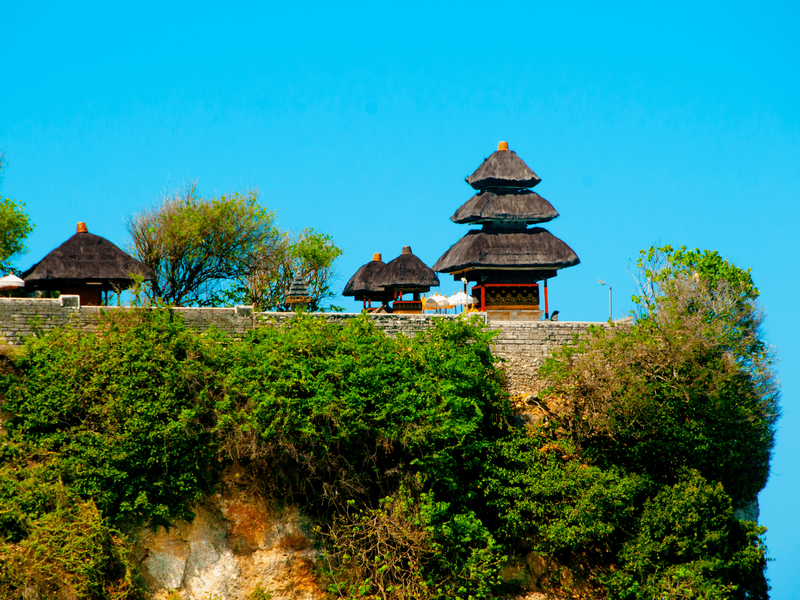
(503, 169)
(522, 206)
(505, 208)
(528, 249)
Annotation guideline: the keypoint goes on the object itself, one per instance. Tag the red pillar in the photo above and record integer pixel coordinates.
(546, 307)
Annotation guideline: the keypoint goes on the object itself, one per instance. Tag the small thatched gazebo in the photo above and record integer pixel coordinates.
(362, 284)
(406, 274)
(506, 259)
(86, 265)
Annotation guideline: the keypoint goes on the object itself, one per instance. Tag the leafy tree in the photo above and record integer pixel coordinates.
(15, 225)
(701, 287)
(308, 253)
(688, 544)
(227, 250)
(686, 401)
(198, 247)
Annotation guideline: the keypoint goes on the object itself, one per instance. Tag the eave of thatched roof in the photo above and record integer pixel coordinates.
(363, 282)
(503, 169)
(523, 206)
(407, 272)
(86, 257)
(534, 248)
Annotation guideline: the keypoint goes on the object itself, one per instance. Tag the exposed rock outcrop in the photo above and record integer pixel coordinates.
(236, 546)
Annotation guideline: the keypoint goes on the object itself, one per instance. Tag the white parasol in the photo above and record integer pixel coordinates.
(435, 301)
(11, 282)
(460, 299)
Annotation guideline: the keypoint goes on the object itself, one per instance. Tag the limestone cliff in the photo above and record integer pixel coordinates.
(236, 548)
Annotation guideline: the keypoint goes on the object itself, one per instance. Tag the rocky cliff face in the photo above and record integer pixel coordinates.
(236, 548)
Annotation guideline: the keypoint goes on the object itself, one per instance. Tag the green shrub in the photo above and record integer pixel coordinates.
(342, 412)
(687, 544)
(55, 544)
(338, 417)
(127, 410)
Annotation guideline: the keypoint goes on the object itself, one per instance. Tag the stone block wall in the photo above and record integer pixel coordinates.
(523, 345)
(24, 317)
(409, 325)
(234, 321)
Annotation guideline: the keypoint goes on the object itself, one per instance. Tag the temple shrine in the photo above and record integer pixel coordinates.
(406, 274)
(362, 285)
(86, 265)
(506, 259)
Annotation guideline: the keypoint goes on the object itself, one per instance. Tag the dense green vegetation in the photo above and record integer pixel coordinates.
(620, 482)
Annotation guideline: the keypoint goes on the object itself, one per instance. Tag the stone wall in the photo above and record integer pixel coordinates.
(523, 345)
(24, 317)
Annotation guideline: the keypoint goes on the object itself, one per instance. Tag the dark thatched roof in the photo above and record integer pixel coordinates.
(524, 206)
(363, 282)
(534, 248)
(82, 258)
(407, 272)
(503, 169)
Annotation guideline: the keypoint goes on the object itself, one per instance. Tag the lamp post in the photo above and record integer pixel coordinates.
(601, 282)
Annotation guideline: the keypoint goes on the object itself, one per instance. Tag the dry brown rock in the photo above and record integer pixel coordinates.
(235, 545)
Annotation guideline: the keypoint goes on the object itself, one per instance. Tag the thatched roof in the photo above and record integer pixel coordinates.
(523, 206)
(503, 169)
(83, 258)
(407, 272)
(363, 282)
(534, 248)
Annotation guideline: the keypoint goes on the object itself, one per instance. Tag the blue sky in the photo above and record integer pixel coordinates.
(665, 123)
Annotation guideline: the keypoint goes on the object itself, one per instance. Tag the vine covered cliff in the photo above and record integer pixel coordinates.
(322, 458)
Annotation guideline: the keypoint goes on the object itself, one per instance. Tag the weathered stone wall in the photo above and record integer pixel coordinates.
(24, 317)
(523, 345)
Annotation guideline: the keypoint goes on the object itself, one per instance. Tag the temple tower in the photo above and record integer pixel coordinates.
(506, 259)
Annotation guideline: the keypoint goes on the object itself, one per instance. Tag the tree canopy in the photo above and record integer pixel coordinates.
(197, 247)
(227, 250)
(307, 253)
(683, 403)
(15, 226)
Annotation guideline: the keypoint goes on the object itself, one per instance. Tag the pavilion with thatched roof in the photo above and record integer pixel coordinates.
(406, 274)
(86, 265)
(362, 284)
(506, 259)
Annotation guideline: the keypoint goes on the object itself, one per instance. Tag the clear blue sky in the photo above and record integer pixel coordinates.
(648, 123)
